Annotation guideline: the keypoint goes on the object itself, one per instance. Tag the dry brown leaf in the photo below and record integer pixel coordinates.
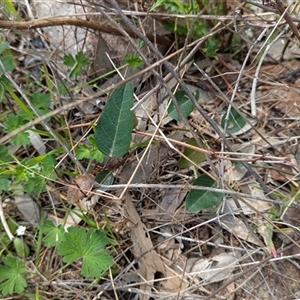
(170, 202)
(28, 208)
(214, 269)
(148, 259)
(82, 186)
(250, 188)
(238, 228)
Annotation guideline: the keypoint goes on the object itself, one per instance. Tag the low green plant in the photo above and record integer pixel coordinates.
(193, 27)
(79, 243)
(72, 245)
(133, 61)
(12, 272)
(77, 63)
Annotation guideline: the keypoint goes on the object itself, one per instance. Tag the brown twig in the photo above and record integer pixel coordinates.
(279, 6)
(61, 21)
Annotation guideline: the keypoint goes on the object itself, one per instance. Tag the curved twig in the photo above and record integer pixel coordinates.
(61, 21)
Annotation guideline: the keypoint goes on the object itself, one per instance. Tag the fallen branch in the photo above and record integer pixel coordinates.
(61, 21)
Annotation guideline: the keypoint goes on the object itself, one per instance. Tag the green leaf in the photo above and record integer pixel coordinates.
(86, 245)
(4, 154)
(1, 91)
(3, 46)
(4, 182)
(21, 139)
(198, 200)
(235, 122)
(133, 61)
(8, 62)
(21, 247)
(195, 156)
(48, 164)
(54, 234)
(114, 129)
(185, 104)
(69, 60)
(85, 151)
(11, 277)
(41, 102)
(12, 122)
(35, 185)
(76, 63)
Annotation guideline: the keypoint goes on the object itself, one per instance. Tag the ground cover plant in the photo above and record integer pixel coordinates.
(149, 150)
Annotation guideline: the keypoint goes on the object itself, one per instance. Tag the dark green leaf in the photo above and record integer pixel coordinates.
(198, 200)
(235, 121)
(12, 122)
(185, 104)
(114, 129)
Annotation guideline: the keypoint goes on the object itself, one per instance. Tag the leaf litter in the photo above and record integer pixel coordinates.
(174, 266)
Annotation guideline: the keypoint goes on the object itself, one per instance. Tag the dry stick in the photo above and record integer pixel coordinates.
(4, 223)
(287, 17)
(190, 95)
(59, 21)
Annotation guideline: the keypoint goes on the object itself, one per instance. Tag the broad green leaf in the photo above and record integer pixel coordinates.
(114, 129)
(11, 278)
(235, 122)
(198, 200)
(185, 104)
(88, 246)
(195, 156)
